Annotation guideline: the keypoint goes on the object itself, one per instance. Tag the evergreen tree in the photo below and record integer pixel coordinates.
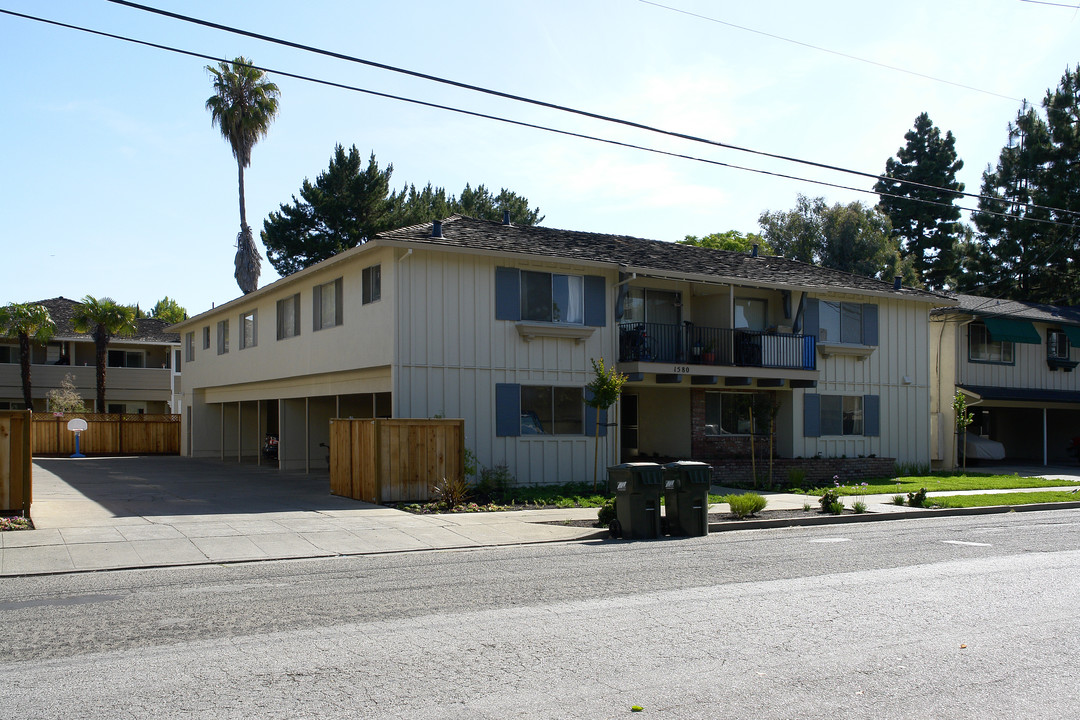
(853, 238)
(732, 240)
(1061, 190)
(168, 310)
(349, 203)
(924, 219)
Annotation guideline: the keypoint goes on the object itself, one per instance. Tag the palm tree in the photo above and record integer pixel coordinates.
(103, 319)
(243, 105)
(27, 322)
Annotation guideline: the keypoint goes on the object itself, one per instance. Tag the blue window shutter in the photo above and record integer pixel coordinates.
(870, 324)
(316, 308)
(871, 407)
(507, 409)
(810, 317)
(595, 301)
(590, 417)
(811, 415)
(507, 294)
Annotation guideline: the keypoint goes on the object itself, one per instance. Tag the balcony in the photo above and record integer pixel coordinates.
(695, 345)
(128, 383)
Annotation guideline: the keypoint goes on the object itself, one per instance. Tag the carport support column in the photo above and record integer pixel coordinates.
(222, 438)
(1044, 439)
(258, 432)
(239, 431)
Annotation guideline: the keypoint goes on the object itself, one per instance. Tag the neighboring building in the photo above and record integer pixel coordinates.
(497, 324)
(1014, 361)
(143, 374)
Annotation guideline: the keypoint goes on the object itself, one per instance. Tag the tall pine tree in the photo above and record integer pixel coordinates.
(917, 192)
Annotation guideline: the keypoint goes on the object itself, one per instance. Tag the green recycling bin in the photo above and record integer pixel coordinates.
(637, 488)
(686, 497)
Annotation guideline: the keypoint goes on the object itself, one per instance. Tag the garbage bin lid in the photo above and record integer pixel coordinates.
(627, 466)
(687, 463)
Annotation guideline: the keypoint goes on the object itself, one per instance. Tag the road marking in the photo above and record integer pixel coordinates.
(831, 540)
(971, 544)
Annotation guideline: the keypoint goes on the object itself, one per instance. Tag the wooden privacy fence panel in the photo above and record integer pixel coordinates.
(394, 460)
(108, 434)
(15, 463)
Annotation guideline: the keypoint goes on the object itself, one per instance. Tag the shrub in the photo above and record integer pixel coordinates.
(606, 513)
(450, 492)
(828, 498)
(796, 477)
(836, 508)
(858, 506)
(917, 499)
(494, 483)
(897, 499)
(745, 505)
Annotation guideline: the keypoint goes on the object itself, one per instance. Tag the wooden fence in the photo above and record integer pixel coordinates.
(108, 434)
(394, 460)
(15, 463)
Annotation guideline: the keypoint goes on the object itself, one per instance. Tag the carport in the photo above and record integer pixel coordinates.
(1033, 425)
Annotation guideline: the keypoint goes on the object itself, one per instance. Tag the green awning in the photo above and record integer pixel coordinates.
(1017, 331)
(1073, 333)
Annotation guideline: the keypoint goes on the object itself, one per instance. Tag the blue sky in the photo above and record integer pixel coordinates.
(115, 183)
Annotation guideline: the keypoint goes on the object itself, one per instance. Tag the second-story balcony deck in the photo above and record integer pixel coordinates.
(690, 344)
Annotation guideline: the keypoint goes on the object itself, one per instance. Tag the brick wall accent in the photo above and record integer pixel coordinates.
(818, 470)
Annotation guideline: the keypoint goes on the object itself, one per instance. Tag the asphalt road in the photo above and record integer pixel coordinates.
(973, 617)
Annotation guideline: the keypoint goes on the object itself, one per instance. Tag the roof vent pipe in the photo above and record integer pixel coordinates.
(436, 229)
(896, 282)
(506, 217)
(753, 250)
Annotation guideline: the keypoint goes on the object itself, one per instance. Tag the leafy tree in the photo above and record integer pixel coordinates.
(66, 398)
(853, 238)
(732, 240)
(168, 310)
(962, 419)
(349, 203)
(346, 205)
(604, 391)
(243, 105)
(28, 323)
(924, 220)
(103, 319)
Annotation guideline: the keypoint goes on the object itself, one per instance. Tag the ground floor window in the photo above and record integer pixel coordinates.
(841, 415)
(547, 410)
(732, 413)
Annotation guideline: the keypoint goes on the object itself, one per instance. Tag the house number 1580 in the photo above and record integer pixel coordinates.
(681, 370)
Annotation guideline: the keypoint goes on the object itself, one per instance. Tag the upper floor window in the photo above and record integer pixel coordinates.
(206, 338)
(176, 361)
(189, 347)
(327, 301)
(126, 358)
(371, 283)
(249, 329)
(840, 322)
(9, 354)
(549, 297)
(981, 348)
(751, 313)
(288, 317)
(1057, 345)
(222, 337)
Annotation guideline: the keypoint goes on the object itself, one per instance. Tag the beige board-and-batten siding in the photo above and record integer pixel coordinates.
(898, 371)
(16, 489)
(108, 434)
(451, 352)
(397, 460)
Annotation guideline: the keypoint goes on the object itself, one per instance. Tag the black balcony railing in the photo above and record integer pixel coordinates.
(697, 345)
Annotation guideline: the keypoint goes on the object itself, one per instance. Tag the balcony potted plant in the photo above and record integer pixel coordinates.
(709, 354)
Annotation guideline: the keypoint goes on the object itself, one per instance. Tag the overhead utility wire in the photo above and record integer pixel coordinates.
(519, 123)
(827, 50)
(549, 105)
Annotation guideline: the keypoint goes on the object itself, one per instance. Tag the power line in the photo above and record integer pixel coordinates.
(1052, 4)
(519, 123)
(549, 105)
(827, 50)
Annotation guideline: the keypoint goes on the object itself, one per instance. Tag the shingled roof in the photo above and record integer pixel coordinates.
(637, 254)
(996, 307)
(63, 310)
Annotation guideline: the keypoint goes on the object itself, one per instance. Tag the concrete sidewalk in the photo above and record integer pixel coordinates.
(115, 513)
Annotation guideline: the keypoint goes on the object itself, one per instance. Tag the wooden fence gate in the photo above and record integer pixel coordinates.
(108, 434)
(394, 460)
(16, 488)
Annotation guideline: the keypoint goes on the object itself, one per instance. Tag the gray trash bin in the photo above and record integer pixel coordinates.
(686, 497)
(637, 488)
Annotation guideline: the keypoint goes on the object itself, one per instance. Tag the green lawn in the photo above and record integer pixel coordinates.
(943, 482)
(1019, 498)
